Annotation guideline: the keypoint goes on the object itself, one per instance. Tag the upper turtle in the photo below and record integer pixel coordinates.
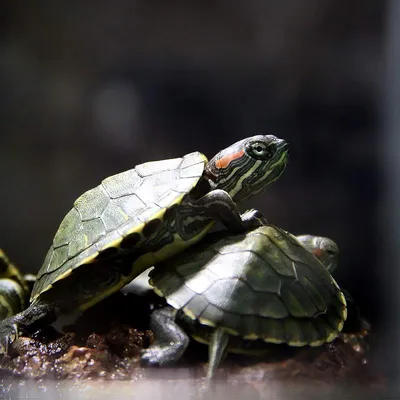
(126, 211)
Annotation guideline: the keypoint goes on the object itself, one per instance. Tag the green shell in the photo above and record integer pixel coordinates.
(260, 285)
(120, 206)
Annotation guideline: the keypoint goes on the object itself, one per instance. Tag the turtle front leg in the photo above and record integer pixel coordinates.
(171, 341)
(220, 206)
(9, 327)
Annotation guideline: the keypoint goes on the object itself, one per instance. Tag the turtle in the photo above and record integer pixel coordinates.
(243, 292)
(14, 288)
(137, 218)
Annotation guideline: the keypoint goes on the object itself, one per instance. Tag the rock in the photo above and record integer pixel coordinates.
(106, 342)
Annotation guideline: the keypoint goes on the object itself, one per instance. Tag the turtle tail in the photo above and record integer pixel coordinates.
(217, 351)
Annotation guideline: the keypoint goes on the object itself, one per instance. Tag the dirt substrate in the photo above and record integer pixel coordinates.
(106, 342)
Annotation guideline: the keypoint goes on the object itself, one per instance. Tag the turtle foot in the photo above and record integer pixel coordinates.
(153, 357)
(8, 334)
(252, 219)
(161, 355)
(171, 341)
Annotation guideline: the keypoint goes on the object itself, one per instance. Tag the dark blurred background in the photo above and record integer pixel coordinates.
(89, 89)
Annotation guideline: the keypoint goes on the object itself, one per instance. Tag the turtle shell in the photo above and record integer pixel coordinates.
(260, 285)
(123, 205)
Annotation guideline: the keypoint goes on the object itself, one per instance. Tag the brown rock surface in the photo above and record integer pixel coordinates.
(105, 343)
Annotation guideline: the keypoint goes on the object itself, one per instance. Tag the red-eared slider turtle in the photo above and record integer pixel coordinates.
(139, 217)
(14, 289)
(239, 292)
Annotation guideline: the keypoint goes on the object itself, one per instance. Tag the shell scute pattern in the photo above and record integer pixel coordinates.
(156, 167)
(247, 244)
(60, 255)
(230, 320)
(91, 204)
(234, 290)
(188, 268)
(151, 190)
(113, 239)
(190, 170)
(195, 307)
(247, 326)
(277, 260)
(201, 283)
(298, 301)
(271, 306)
(334, 319)
(120, 205)
(323, 327)
(294, 333)
(219, 269)
(118, 211)
(319, 294)
(211, 315)
(78, 244)
(265, 289)
(67, 227)
(311, 333)
(262, 278)
(122, 184)
(181, 297)
(271, 330)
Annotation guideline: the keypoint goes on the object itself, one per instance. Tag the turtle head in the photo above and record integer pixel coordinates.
(248, 166)
(325, 249)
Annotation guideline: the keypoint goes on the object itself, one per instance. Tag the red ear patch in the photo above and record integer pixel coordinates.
(317, 252)
(224, 161)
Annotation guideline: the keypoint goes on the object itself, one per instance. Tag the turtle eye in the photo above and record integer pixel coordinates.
(331, 252)
(260, 150)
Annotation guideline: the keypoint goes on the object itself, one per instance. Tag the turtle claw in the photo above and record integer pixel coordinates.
(150, 357)
(8, 335)
(160, 356)
(253, 219)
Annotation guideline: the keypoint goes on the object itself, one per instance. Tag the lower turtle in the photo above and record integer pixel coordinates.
(244, 292)
(139, 217)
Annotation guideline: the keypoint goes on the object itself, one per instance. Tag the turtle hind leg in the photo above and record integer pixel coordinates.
(217, 351)
(171, 341)
(9, 327)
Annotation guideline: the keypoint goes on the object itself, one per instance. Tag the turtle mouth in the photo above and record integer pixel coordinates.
(283, 146)
(282, 149)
